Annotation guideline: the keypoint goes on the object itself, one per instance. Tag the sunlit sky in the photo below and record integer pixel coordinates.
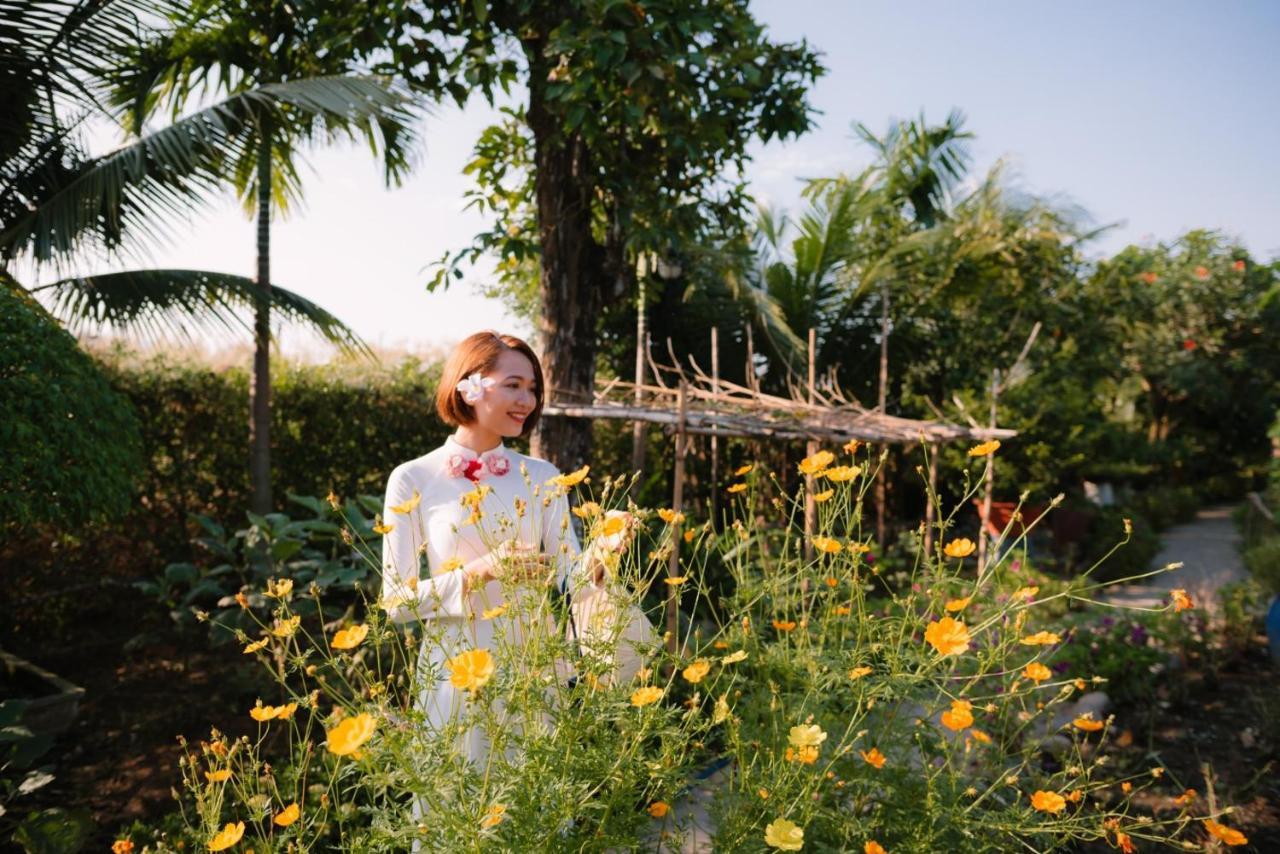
(1156, 116)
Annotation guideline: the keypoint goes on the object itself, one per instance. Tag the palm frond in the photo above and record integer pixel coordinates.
(139, 188)
(171, 304)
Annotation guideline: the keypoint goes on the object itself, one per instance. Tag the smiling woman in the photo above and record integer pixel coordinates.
(491, 531)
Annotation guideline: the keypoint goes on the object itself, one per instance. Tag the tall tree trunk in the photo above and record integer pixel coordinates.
(572, 272)
(260, 389)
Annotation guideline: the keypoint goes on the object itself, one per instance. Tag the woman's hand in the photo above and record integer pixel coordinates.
(516, 563)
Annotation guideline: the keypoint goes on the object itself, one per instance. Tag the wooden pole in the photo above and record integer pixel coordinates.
(933, 492)
(883, 407)
(715, 438)
(677, 504)
(810, 506)
(642, 338)
(989, 476)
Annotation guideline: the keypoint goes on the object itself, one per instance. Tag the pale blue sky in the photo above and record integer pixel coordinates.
(1162, 116)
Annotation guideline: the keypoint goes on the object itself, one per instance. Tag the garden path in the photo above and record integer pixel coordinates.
(1208, 549)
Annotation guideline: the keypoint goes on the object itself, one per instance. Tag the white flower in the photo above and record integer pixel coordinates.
(474, 387)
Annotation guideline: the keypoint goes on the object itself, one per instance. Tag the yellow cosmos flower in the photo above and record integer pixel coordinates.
(122, 846)
(859, 672)
(1227, 835)
(985, 449)
(286, 628)
(842, 474)
(1040, 639)
(948, 636)
(851, 446)
(689, 535)
(1050, 802)
(954, 605)
(736, 488)
(842, 610)
(255, 646)
(645, 696)
(873, 757)
(962, 547)
(810, 735)
(1181, 601)
(1087, 723)
(697, 671)
(805, 755)
(350, 638)
(497, 611)
(676, 580)
(494, 816)
(587, 509)
(671, 517)
(741, 470)
(817, 462)
(1026, 592)
(873, 847)
(408, 506)
(261, 713)
(470, 670)
(1036, 672)
(286, 711)
(228, 836)
(784, 835)
(784, 625)
(287, 816)
(659, 809)
(979, 735)
(379, 528)
(350, 734)
(825, 495)
(571, 479)
(722, 709)
(279, 587)
(451, 564)
(734, 657)
(475, 497)
(827, 544)
(613, 525)
(220, 776)
(959, 717)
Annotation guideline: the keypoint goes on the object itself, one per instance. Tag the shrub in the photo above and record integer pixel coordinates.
(1263, 560)
(71, 442)
(841, 715)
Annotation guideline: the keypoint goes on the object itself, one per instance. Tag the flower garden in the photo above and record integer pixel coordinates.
(976, 640)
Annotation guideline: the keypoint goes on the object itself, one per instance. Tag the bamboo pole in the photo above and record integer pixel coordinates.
(928, 506)
(883, 407)
(642, 337)
(989, 476)
(715, 433)
(677, 504)
(810, 506)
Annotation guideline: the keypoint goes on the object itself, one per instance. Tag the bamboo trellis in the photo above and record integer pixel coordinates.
(686, 400)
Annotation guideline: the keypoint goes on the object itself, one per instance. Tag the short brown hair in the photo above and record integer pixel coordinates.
(480, 352)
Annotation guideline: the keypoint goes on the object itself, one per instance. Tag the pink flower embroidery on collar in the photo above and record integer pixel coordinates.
(493, 462)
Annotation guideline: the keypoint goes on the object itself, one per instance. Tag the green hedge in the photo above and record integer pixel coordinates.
(70, 443)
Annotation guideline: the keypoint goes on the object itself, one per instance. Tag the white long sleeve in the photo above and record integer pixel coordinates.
(405, 595)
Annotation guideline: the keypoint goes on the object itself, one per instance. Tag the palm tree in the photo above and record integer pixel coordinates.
(275, 100)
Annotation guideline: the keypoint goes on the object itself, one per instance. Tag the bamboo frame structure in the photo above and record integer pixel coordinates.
(688, 401)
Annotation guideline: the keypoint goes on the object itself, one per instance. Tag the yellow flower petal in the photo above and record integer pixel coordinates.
(1050, 802)
(962, 547)
(646, 695)
(408, 506)
(957, 604)
(287, 816)
(948, 636)
(736, 488)
(817, 462)
(784, 835)
(571, 479)
(219, 776)
(985, 449)
(228, 836)
(470, 670)
(697, 671)
(741, 470)
(348, 736)
(350, 638)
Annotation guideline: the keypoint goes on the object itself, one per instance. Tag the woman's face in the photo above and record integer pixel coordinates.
(511, 399)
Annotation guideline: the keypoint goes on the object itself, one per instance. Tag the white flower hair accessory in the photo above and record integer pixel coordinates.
(474, 387)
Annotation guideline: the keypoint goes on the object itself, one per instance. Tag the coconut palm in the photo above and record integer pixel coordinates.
(71, 62)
